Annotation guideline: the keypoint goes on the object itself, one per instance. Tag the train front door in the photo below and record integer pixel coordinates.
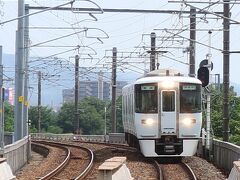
(168, 112)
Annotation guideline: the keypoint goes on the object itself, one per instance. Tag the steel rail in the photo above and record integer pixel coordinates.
(185, 166)
(85, 172)
(61, 166)
(89, 167)
(190, 171)
(159, 170)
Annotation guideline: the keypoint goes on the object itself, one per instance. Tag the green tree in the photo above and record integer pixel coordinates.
(217, 115)
(8, 117)
(48, 118)
(91, 118)
(235, 120)
(119, 115)
(66, 117)
(119, 124)
(54, 129)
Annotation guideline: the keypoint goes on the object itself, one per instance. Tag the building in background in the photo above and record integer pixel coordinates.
(68, 95)
(99, 89)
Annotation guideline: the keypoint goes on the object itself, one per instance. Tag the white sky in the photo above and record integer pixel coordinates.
(125, 31)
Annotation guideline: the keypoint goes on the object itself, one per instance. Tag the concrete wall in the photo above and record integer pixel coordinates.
(17, 154)
(111, 138)
(224, 154)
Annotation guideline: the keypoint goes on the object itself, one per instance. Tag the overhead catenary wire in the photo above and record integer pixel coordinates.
(129, 59)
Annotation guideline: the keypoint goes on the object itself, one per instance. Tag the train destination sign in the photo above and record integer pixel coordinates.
(147, 88)
(189, 87)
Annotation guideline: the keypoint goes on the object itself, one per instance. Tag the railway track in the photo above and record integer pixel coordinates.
(164, 171)
(140, 167)
(77, 163)
(179, 171)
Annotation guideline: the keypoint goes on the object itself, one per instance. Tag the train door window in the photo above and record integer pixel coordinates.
(168, 101)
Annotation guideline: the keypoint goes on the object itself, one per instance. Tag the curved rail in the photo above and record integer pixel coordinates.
(89, 167)
(159, 170)
(60, 167)
(190, 171)
(187, 168)
(83, 173)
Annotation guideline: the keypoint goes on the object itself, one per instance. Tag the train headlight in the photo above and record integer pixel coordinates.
(188, 121)
(168, 84)
(148, 121)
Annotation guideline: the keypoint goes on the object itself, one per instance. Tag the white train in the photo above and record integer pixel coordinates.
(162, 114)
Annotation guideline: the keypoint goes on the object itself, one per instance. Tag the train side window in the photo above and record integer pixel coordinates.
(168, 101)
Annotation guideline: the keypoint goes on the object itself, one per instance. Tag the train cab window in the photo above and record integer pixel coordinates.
(190, 98)
(168, 101)
(146, 98)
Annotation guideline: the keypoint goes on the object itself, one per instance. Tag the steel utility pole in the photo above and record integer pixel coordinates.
(39, 101)
(19, 75)
(114, 75)
(192, 42)
(26, 53)
(100, 85)
(153, 52)
(226, 35)
(1, 107)
(76, 123)
(208, 113)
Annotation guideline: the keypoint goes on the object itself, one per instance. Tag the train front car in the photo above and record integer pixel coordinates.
(162, 114)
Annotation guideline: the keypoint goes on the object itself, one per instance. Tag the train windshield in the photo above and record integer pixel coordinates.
(190, 98)
(146, 99)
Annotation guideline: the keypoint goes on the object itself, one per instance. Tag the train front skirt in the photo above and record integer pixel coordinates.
(148, 148)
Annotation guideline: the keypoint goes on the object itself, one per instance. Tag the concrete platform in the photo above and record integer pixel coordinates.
(235, 172)
(5, 170)
(114, 169)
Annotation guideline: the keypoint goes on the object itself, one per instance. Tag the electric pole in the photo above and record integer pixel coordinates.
(114, 74)
(76, 124)
(153, 52)
(39, 101)
(26, 123)
(19, 75)
(100, 85)
(1, 107)
(208, 113)
(26, 53)
(226, 35)
(192, 42)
